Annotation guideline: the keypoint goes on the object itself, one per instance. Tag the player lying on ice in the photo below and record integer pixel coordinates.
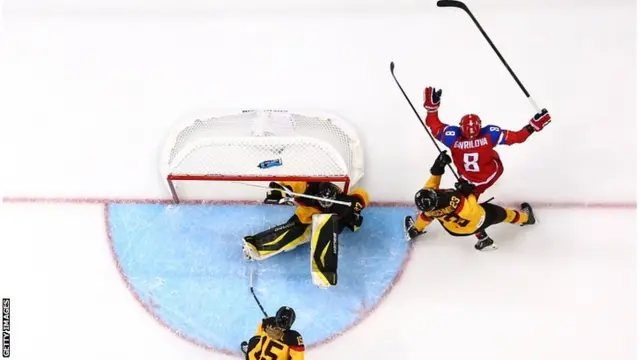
(472, 145)
(297, 230)
(274, 339)
(458, 210)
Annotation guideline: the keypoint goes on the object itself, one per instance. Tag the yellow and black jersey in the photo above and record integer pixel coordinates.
(460, 217)
(274, 343)
(306, 207)
(309, 207)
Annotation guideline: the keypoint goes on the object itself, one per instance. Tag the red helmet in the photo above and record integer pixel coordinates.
(470, 125)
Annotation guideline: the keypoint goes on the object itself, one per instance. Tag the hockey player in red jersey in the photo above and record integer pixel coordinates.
(472, 145)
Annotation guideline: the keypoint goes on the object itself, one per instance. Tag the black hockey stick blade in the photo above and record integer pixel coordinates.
(452, 3)
(488, 201)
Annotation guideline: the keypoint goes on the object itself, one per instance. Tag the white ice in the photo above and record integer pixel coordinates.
(89, 93)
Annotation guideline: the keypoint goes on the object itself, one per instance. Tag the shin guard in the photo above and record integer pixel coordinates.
(516, 217)
(324, 250)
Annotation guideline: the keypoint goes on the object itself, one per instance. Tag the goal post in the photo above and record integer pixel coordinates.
(204, 154)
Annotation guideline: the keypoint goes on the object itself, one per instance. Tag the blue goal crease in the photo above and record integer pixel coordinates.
(187, 260)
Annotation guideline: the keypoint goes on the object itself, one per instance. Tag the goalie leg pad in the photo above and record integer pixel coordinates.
(268, 243)
(324, 250)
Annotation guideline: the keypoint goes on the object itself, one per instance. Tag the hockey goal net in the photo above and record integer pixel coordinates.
(233, 156)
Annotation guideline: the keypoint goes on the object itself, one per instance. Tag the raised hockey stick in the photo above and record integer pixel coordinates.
(463, 6)
(254, 294)
(392, 67)
(291, 193)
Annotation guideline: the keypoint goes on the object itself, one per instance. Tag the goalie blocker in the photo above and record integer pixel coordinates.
(324, 250)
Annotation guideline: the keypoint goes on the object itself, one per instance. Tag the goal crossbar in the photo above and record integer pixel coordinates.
(174, 194)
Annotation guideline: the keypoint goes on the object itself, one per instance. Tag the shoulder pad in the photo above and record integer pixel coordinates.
(293, 338)
(450, 134)
(490, 128)
(494, 132)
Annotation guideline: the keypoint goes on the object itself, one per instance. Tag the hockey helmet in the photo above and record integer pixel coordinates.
(285, 317)
(470, 125)
(426, 199)
(329, 191)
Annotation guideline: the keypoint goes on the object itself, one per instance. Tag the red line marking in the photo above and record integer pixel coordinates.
(69, 200)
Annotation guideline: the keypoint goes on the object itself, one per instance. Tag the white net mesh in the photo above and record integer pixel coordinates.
(263, 145)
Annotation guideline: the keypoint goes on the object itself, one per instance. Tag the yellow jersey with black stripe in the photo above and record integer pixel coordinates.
(459, 215)
(309, 207)
(274, 343)
(306, 207)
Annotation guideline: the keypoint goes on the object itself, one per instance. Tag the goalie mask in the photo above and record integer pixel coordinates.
(327, 191)
(426, 199)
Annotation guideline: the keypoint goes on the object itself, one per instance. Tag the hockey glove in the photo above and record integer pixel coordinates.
(355, 222)
(275, 185)
(465, 188)
(246, 347)
(432, 99)
(540, 120)
(277, 196)
(441, 162)
(356, 206)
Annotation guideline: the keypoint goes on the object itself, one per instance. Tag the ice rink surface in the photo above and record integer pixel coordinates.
(99, 266)
(563, 289)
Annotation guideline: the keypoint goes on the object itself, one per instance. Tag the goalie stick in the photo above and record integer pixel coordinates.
(293, 194)
(392, 67)
(254, 294)
(465, 8)
(244, 346)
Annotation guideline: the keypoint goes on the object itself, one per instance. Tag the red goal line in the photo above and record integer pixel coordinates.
(594, 205)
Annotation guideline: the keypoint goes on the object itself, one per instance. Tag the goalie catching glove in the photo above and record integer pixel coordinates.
(278, 196)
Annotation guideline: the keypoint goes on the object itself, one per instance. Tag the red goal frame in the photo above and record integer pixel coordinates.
(176, 199)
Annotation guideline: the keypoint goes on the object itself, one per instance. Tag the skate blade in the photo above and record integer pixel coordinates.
(408, 222)
(537, 216)
(407, 238)
(490, 248)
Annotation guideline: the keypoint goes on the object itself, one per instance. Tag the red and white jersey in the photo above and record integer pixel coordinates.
(476, 160)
